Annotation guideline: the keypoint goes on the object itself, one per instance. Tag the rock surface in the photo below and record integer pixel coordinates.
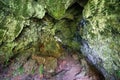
(102, 34)
(46, 27)
(49, 68)
(26, 26)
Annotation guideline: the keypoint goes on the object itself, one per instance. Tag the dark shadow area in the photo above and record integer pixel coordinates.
(96, 71)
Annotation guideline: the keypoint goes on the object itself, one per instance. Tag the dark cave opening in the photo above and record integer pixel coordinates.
(77, 7)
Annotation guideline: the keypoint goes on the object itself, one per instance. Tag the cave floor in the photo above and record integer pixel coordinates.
(67, 67)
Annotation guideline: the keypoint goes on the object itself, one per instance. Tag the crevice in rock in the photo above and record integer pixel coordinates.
(77, 7)
(36, 0)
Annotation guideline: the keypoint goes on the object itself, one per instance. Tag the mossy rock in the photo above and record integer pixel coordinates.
(26, 24)
(56, 8)
(102, 31)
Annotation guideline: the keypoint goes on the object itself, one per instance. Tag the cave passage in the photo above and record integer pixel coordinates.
(48, 47)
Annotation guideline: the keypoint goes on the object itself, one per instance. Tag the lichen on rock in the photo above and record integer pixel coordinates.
(102, 33)
(47, 26)
(56, 8)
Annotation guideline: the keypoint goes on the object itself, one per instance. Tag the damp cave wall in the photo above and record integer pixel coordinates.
(26, 25)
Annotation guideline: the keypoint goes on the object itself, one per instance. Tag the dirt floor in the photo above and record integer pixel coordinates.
(67, 67)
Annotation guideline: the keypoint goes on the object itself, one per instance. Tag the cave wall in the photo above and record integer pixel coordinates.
(40, 26)
(26, 24)
(102, 33)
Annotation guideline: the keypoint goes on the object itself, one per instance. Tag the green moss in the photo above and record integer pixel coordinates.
(24, 25)
(67, 33)
(102, 31)
(118, 74)
(19, 71)
(2, 33)
(57, 9)
(39, 10)
(41, 69)
(6, 51)
(12, 26)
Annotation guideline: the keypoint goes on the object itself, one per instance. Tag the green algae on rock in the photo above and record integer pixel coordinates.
(65, 33)
(13, 19)
(41, 25)
(6, 52)
(13, 16)
(56, 8)
(102, 31)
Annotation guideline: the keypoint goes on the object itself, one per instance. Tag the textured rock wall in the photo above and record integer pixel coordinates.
(102, 33)
(26, 24)
(40, 25)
